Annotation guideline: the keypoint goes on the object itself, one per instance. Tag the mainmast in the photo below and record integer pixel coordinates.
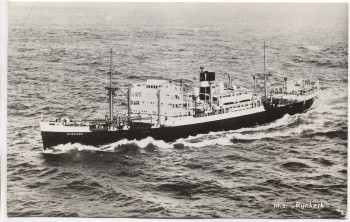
(265, 76)
(111, 90)
(264, 58)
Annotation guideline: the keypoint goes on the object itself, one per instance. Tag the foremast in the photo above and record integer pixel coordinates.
(111, 90)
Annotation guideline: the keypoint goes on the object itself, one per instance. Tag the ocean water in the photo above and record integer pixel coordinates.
(58, 59)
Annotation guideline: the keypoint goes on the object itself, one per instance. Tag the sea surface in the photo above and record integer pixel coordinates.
(58, 58)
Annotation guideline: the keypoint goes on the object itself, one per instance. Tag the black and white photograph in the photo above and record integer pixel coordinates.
(177, 110)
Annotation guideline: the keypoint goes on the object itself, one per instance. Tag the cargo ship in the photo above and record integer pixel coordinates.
(168, 110)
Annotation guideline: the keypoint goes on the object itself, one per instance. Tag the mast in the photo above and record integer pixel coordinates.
(254, 83)
(111, 90)
(265, 75)
(264, 57)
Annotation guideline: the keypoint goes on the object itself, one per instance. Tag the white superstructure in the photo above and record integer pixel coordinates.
(173, 99)
(170, 103)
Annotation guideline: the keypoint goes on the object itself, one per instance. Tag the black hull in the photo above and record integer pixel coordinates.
(170, 134)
